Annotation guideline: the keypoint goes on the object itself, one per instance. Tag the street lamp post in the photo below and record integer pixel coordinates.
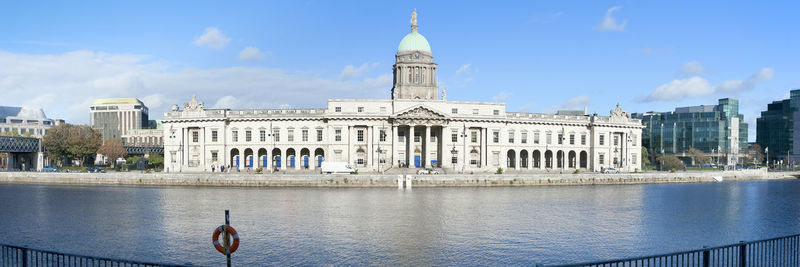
(661, 166)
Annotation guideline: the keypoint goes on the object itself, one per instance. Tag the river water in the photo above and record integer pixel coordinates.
(386, 226)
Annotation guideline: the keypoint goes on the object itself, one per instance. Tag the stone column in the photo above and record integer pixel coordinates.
(425, 147)
(518, 159)
(484, 147)
(370, 149)
(410, 151)
(395, 146)
(284, 160)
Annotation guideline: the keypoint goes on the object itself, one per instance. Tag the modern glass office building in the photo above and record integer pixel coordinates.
(776, 128)
(713, 129)
(113, 117)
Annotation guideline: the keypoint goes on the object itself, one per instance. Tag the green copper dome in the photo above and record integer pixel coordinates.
(414, 42)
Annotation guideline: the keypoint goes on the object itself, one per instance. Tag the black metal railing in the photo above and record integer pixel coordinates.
(779, 251)
(24, 257)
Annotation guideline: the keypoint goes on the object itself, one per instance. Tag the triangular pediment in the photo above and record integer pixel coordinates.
(419, 112)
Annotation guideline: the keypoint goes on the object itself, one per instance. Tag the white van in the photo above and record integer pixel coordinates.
(336, 167)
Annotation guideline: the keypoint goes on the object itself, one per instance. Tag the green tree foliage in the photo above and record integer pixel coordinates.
(156, 160)
(645, 157)
(78, 142)
(10, 133)
(670, 163)
(755, 152)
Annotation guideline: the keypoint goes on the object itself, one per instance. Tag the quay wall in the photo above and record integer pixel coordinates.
(382, 180)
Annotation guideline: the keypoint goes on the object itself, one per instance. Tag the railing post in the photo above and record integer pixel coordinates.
(706, 257)
(24, 257)
(742, 254)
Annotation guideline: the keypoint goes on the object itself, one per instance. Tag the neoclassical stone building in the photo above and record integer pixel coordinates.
(416, 128)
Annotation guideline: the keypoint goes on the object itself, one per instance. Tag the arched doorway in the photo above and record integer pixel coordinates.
(511, 159)
(560, 159)
(248, 157)
(276, 158)
(290, 155)
(573, 162)
(523, 159)
(319, 154)
(584, 159)
(234, 158)
(548, 159)
(537, 159)
(262, 158)
(305, 155)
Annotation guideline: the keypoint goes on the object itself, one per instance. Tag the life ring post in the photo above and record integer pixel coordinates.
(227, 237)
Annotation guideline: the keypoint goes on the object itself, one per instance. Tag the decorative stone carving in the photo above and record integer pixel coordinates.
(414, 20)
(193, 105)
(175, 107)
(421, 115)
(619, 113)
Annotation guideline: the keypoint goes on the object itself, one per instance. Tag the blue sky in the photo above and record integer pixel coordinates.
(535, 56)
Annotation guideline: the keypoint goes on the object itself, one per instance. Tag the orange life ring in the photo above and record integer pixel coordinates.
(230, 230)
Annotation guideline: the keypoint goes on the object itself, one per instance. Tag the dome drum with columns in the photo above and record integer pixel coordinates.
(413, 129)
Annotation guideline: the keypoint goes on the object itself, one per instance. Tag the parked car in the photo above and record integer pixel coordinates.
(427, 171)
(49, 169)
(610, 170)
(95, 169)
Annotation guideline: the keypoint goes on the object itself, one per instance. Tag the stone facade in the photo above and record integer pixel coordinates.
(415, 129)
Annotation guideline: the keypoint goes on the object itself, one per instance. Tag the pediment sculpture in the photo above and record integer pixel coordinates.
(193, 105)
(619, 113)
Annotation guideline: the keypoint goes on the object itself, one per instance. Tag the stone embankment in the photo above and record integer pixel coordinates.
(384, 180)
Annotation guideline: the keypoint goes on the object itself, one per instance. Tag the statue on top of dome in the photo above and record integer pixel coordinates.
(414, 20)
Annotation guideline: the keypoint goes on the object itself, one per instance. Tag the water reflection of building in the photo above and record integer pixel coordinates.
(417, 127)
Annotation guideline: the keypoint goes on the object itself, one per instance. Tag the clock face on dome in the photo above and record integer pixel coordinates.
(416, 55)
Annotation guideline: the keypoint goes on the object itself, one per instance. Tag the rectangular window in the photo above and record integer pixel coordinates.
(360, 136)
(510, 137)
(616, 140)
(571, 139)
(432, 138)
(417, 136)
(213, 156)
(338, 136)
(475, 111)
(276, 134)
(337, 109)
(262, 135)
(195, 136)
(382, 134)
(524, 138)
(536, 138)
(602, 139)
(454, 159)
(214, 136)
(360, 109)
(401, 135)
(601, 158)
(290, 136)
(549, 138)
(305, 135)
(454, 136)
(633, 141)
(496, 137)
(560, 139)
(319, 135)
(248, 136)
(454, 111)
(235, 136)
(474, 136)
(583, 139)
(496, 112)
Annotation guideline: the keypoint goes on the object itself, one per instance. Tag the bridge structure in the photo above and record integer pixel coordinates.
(19, 153)
(142, 150)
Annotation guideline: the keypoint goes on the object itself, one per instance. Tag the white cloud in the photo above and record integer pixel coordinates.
(501, 97)
(212, 38)
(463, 68)
(352, 72)
(735, 86)
(250, 53)
(609, 23)
(682, 88)
(692, 68)
(68, 83)
(575, 103)
(697, 86)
